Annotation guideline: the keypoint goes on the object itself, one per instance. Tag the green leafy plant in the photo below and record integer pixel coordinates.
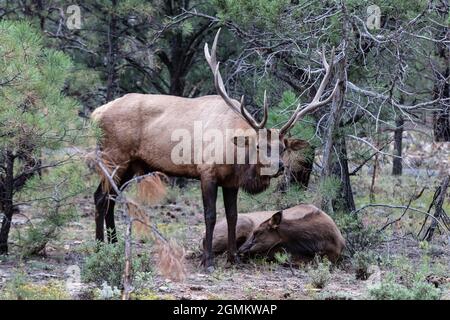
(106, 262)
(21, 288)
(361, 261)
(319, 272)
(389, 289)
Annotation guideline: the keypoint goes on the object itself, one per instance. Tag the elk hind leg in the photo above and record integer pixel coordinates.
(111, 231)
(100, 200)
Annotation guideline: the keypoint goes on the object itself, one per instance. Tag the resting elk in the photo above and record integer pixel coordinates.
(304, 231)
(137, 138)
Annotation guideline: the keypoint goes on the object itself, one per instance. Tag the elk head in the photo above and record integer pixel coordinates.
(265, 238)
(267, 144)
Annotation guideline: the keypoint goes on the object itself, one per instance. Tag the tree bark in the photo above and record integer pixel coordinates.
(6, 198)
(397, 166)
(441, 117)
(333, 126)
(111, 83)
(438, 211)
(345, 201)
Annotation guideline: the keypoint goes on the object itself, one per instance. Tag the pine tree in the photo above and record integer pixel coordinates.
(36, 120)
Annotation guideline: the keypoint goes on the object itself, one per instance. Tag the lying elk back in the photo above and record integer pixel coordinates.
(303, 231)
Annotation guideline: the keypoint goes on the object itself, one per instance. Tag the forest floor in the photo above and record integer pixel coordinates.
(396, 252)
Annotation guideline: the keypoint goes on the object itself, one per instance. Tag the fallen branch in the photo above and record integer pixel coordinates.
(440, 194)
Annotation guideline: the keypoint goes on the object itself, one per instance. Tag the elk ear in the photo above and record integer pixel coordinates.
(276, 220)
(295, 144)
(241, 141)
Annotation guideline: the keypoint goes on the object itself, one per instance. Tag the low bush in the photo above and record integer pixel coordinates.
(106, 262)
(361, 261)
(319, 273)
(389, 289)
(358, 237)
(20, 288)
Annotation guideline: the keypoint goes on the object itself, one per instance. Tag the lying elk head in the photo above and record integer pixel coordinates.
(267, 145)
(266, 237)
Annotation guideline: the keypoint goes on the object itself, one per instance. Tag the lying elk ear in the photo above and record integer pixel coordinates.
(276, 220)
(295, 144)
(241, 141)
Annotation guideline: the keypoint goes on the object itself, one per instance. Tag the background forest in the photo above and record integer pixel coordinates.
(378, 160)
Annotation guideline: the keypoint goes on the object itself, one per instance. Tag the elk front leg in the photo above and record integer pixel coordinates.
(230, 201)
(209, 195)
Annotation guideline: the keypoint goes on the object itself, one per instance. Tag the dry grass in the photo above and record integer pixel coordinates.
(171, 260)
(141, 221)
(152, 189)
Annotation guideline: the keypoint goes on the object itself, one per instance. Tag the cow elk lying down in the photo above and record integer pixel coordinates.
(303, 231)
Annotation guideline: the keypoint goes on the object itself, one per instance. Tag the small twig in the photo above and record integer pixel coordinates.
(404, 212)
(395, 207)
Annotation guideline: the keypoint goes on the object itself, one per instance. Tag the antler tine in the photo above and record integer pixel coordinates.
(265, 112)
(211, 58)
(316, 102)
(252, 120)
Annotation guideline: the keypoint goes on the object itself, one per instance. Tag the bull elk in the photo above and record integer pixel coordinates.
(303, 230)
(137, 139)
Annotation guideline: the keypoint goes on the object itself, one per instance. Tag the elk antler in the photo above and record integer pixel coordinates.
(220, 87)
(316, 102)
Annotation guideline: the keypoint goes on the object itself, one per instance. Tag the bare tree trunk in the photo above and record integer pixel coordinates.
(345, 201)
(333, 126)
(335, 115)
(111, 84)
(441, 117)
(438, 211)
(6, 198)
(374, 175)
(397, 166)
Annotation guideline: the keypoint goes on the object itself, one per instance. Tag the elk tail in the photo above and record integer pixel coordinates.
(92, 160)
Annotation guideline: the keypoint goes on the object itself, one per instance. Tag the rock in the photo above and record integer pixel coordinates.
(196, 288)
(164, 289)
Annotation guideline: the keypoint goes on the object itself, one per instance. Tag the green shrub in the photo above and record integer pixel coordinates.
(361, 261)
(388, 289)
(20, 288)
(56, 206)
(358, 237)
(107, 262)
(282, 257)
(319, 273)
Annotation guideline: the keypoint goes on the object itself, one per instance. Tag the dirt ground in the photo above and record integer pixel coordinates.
(180, 217)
